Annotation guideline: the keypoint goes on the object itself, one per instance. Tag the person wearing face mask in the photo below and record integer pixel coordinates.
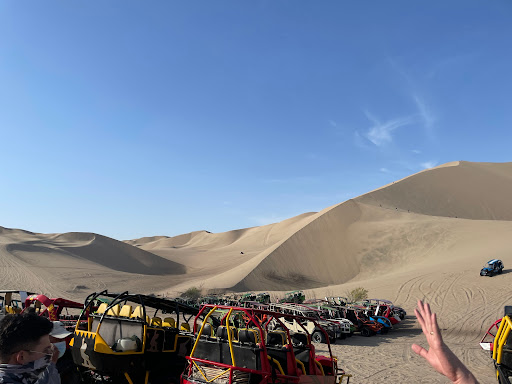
(52, 374)
(25, 348)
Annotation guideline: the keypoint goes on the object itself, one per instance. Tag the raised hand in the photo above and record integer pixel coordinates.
(439, 356)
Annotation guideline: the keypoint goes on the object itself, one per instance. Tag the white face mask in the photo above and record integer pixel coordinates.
(61, 346)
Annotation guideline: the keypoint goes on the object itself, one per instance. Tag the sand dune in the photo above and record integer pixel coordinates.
(56, 264)
(477, 191)
(423, 237)
(388, 229)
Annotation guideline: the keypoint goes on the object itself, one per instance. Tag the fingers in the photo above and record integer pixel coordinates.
(428, 322)
(419, 350)
(422, 313)
(421, 320)
(435, 327)
(427, 313)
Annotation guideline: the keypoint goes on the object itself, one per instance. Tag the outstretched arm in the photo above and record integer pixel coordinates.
(439, 356)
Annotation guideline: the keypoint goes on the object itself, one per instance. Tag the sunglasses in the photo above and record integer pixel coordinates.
(47, 351)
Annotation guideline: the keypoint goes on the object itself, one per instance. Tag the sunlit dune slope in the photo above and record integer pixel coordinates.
(224, 256)
(478, 191)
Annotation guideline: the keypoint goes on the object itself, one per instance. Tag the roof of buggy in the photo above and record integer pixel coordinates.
(153, 302)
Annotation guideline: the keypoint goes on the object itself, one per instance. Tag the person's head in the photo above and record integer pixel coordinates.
(24, 338)
(58, 337)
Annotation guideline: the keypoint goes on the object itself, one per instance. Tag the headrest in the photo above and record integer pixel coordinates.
(300, 339)
(247, 336)
(207, 329)
(222, 332)
(276, 338)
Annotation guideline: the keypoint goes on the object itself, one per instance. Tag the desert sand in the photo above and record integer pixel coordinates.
(423, 237)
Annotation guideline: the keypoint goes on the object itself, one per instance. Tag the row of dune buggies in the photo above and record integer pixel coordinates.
(135, 338)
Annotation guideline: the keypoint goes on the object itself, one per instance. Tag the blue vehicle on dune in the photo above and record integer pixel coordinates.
(493, 267)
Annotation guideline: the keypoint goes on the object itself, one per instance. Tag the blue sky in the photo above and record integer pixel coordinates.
(135, 119)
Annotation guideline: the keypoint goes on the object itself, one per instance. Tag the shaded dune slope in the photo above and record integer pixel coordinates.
(87, 248)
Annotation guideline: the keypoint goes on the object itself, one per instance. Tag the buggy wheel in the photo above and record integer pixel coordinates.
(318, 337)
(366, 332)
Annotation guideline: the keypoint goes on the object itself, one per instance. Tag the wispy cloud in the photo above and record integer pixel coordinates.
(384, 170)
(426, 114)
(398, 69)
(428, 164)
(333, 123)
(360, 141)
(380, 134)
(451, 63)
(416, 151)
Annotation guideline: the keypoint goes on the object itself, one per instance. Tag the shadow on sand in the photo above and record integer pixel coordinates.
(407, 328)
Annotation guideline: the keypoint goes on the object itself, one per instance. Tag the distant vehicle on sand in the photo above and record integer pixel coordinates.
(493, 267)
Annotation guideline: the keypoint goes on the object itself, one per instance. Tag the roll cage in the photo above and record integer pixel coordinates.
(502, 349)
(254, 353)
(114, 340)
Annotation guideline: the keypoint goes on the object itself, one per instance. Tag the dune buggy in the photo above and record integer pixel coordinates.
(362, 323)
(12, 301)
(502, 348)
(385, 308)
(132, 338)
(296, 297)
(263, 298)
(58, 309)
(252, 353)
(329, 313)
(316, 327)
(487, 342)
(493, 267)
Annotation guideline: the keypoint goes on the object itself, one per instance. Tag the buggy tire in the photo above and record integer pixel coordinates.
(366, 332)
(318, 337)
(384, 331)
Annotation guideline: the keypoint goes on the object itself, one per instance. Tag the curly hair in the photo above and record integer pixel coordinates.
(18, 332)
